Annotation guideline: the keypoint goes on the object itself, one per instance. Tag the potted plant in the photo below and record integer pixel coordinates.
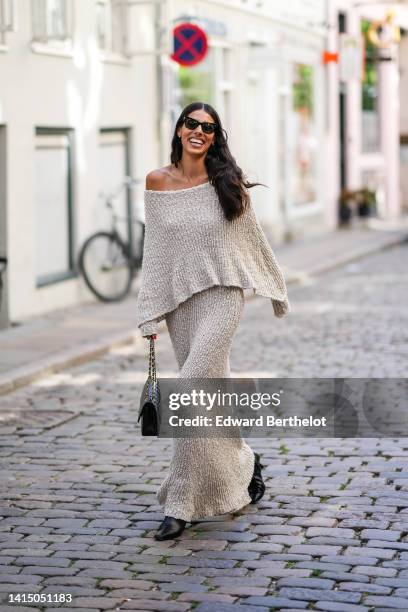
(366, 202)
(345, 209)
(363, 201)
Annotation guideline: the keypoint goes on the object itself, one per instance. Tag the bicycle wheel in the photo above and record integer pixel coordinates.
(106, 267)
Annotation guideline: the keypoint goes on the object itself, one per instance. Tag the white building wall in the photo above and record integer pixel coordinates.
(82, 92)
(377, 169)
(265, 42)
(78, 91)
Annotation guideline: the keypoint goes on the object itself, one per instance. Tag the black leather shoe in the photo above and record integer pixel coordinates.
(256, 488)
(170, 528)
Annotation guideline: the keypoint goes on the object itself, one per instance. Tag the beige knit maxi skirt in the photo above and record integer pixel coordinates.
(207, 476)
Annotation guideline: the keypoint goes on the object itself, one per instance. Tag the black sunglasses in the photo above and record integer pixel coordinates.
(206, 126)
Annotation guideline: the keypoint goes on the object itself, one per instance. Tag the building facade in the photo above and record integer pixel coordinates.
(367, 101)
(77, 114)
(89, 93)
(264, 75)
(92, 95)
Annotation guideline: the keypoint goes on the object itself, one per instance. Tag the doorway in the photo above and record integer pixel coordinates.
(342, 26)
(4, 322)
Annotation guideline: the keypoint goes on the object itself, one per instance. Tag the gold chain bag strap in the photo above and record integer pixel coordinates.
(149, 412)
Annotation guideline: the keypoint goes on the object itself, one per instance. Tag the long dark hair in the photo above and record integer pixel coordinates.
(225, 175)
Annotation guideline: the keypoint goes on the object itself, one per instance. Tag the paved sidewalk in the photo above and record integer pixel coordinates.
(68, 337)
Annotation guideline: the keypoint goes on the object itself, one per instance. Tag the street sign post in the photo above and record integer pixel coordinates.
(190, 44)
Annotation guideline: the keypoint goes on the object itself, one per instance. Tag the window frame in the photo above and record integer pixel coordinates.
(45, 40)
(127, 133)
(311, 205)
(71, 272)
(224, 81)
(371, 61)
(8, 20)
(112, 51)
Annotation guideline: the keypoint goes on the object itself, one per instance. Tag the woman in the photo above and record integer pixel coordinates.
(203, 246)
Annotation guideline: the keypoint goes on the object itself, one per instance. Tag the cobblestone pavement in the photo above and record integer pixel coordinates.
(78, 489)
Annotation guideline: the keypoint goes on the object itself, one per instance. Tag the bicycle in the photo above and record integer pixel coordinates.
(107, 262)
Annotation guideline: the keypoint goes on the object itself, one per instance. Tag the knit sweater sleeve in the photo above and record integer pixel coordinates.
(281, 307)
(149, 328)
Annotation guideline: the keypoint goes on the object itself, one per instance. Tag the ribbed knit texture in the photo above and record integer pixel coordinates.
(207, 476)
(190, 246)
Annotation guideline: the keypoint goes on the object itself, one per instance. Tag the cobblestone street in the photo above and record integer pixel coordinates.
(78, 502)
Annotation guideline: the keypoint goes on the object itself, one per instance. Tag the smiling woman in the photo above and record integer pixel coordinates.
(200, 153)
(197, 134)
(203, 246)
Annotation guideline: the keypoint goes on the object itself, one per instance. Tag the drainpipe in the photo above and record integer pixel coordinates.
(159, 76)
(389, 126)
(163, 49)
(160, 52)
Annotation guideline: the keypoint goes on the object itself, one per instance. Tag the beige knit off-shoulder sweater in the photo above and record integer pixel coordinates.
(190, 246)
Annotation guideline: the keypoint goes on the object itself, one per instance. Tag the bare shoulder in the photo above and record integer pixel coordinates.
(158, 179)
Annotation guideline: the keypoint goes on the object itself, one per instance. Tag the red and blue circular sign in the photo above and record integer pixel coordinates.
(190, 44)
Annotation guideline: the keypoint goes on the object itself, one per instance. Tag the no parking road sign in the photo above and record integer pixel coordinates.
(190, 44)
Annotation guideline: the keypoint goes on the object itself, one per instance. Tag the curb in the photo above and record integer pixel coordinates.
(25, 375)
(44, 367)
(293, 278)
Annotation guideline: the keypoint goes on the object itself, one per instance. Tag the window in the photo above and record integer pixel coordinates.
(226, 86)
(113, 166)
(303, 136)
(7, 19)
(370, 140)
(3, 228)
(197, 82)
(53, 202)
(52, 21)
(112, 26)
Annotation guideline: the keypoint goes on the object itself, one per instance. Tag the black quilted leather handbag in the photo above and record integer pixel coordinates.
(149, 412)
